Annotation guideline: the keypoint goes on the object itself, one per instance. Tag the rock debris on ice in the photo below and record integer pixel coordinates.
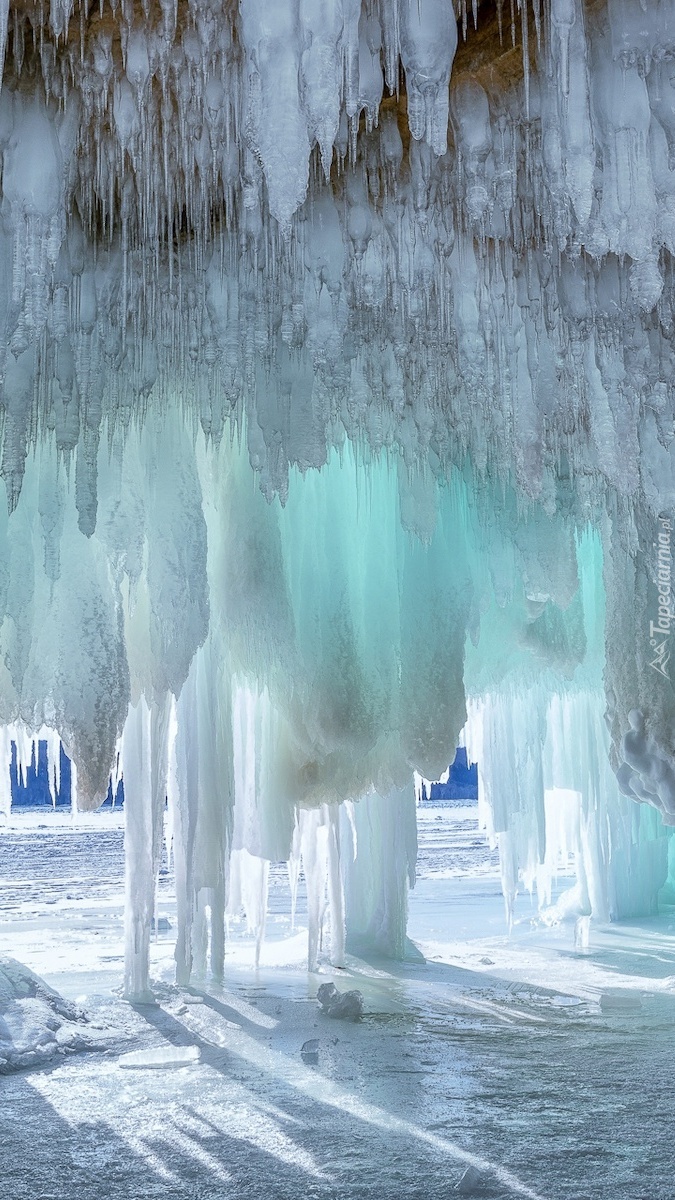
(342, 1006)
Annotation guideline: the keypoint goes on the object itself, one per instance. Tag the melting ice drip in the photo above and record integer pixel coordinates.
(330, 331)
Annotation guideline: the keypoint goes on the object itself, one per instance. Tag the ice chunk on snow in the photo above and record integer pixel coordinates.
(163, 1059)
(310, 1051)
(36, 1024)
(620, 1000)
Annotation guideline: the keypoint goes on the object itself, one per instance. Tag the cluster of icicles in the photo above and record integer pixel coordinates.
(325, 256)
(279, 673)
(330, 221)
(357, 860)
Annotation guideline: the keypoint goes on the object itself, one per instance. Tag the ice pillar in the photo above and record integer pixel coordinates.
(145, 747)
(379, 871)
(320, 848)
(201, 793)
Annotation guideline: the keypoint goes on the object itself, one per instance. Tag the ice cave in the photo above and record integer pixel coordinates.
(337, 513)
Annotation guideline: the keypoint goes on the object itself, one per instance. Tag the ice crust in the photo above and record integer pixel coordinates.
(337, 397)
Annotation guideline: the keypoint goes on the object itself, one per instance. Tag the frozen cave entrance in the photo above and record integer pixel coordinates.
(337, 429)
(202, 1084)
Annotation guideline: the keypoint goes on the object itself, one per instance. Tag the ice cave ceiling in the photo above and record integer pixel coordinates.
(337, 399)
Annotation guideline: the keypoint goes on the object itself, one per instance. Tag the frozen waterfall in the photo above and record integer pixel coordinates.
(338, 422)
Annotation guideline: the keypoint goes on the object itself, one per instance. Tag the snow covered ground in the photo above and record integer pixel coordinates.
(547, 1070)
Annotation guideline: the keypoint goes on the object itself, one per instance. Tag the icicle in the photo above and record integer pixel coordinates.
(4, 20)
(145, 750)
(314, 848)
(428, 35)
(138, 843)
(74, 810)
(379, 872)
(5, 780)
(249, 884)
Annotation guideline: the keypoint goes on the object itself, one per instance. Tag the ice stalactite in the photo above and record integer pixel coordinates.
(379, 870)
(548, 793)
(202, 794)
(21, 746)
(145, 758)
(319, 848)
(357, 864)
(5, 779)
(145, 782)
(263, 816)
(565, 810)
(328, 334)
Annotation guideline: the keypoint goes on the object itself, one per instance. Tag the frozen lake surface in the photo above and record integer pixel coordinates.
(508, 1051)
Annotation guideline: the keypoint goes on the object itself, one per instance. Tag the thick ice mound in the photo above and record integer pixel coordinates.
(337, 395)
(36, 1024)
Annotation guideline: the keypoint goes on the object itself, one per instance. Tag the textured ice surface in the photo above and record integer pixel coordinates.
(511, 1062)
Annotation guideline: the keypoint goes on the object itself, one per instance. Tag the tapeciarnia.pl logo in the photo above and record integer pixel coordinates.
(659, 630)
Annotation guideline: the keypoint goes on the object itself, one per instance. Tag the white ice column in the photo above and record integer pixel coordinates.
(379, 871)
(551, 800)
(262, 822)
(5, 779)
(144, 766)
(200, 792)
(320, 849)
(183, 793)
